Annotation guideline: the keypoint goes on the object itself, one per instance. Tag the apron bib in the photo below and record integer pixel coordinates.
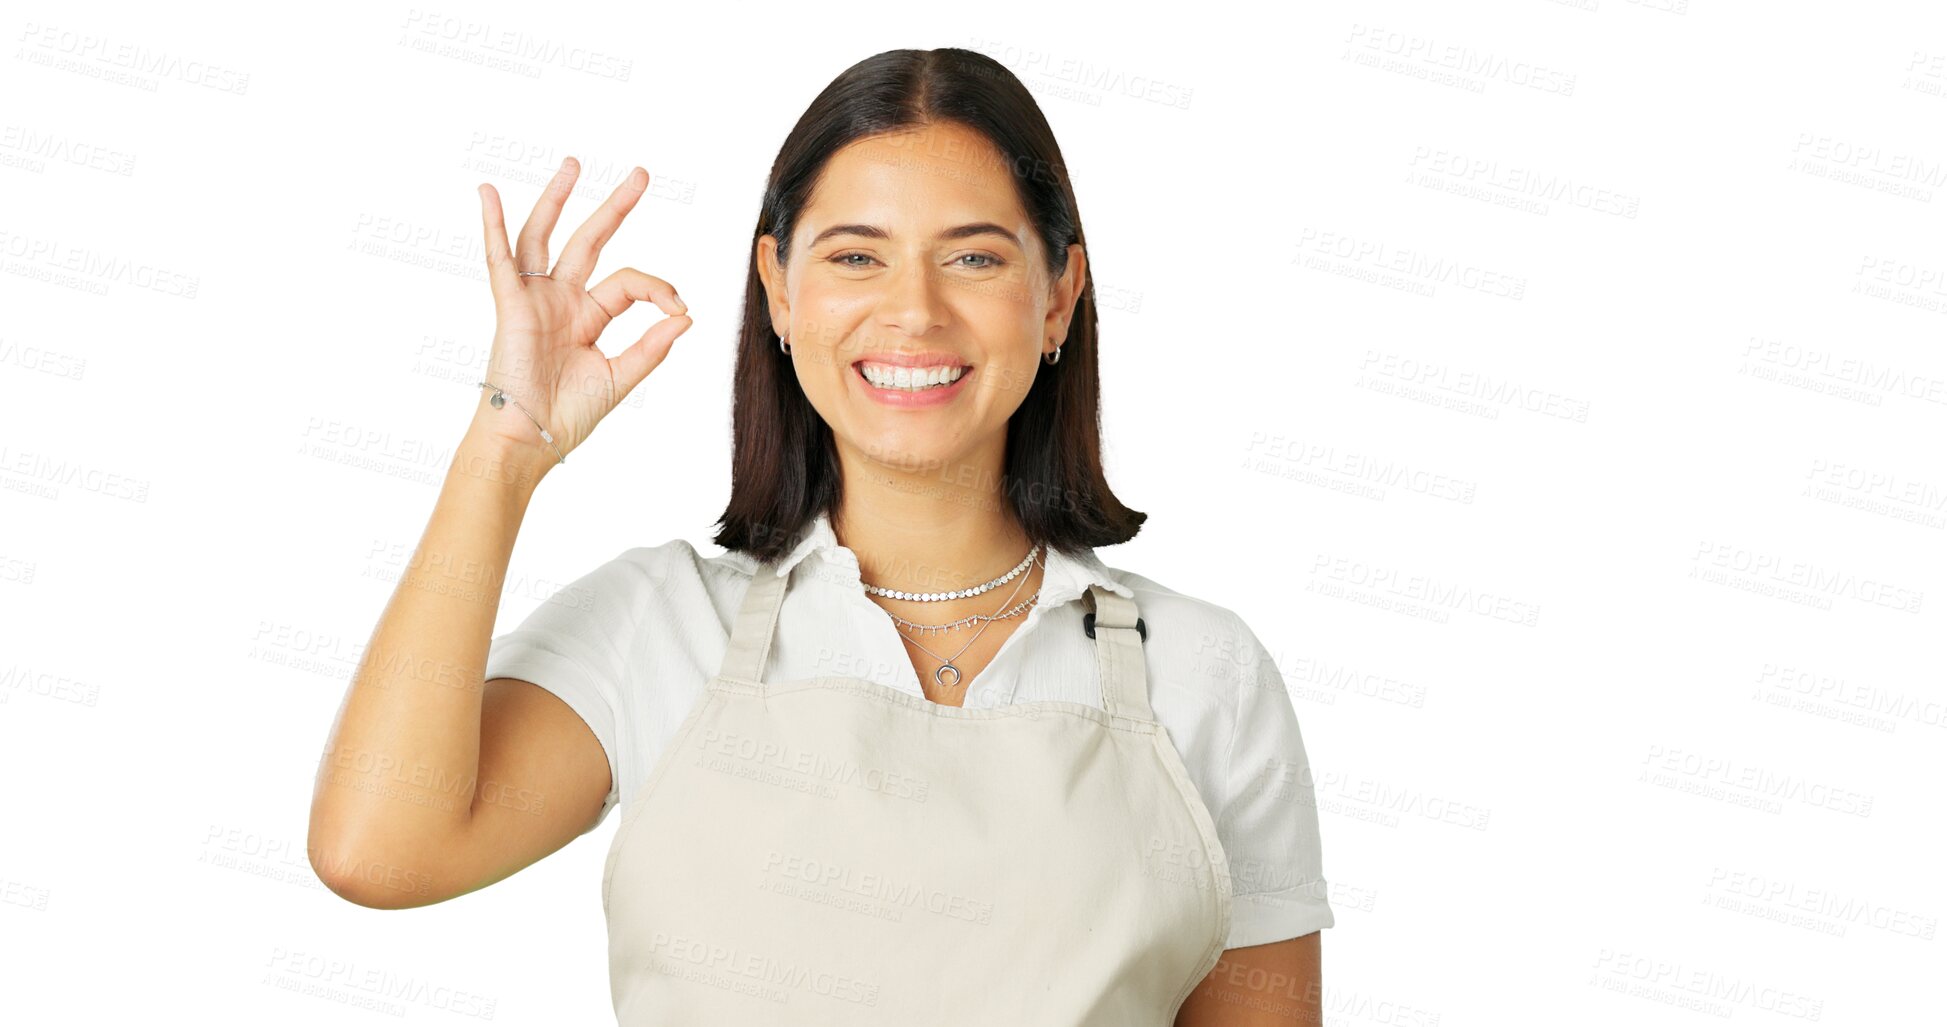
(837, 851)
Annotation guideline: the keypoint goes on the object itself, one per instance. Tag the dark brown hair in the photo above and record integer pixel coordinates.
(784, 464)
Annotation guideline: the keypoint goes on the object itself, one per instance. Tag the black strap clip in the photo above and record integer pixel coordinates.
(1088, 626)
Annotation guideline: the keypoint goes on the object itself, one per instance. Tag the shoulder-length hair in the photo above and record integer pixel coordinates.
(784, 464)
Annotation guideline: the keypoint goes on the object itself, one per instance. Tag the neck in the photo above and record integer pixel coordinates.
(925, 532)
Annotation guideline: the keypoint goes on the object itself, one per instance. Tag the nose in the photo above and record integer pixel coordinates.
(912, 303)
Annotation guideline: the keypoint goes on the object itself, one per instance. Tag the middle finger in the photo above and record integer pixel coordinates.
(531, 254)
(578, 257)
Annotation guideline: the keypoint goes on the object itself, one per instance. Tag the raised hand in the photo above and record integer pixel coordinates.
(544, 353)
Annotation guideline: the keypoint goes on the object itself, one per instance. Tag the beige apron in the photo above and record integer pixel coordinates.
(838, 851)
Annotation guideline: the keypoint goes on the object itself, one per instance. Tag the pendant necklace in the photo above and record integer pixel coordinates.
(946, 669)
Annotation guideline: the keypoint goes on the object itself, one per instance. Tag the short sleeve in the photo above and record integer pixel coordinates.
(573, 645)
(1269, 822)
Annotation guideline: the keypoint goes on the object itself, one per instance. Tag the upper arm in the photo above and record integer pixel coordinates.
(544, 781)
(542, 778)
(555, 711)
(1271, 985)
(1268, 822)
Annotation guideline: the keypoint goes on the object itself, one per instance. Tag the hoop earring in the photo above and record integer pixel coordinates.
(1051, 359)
(783, 347)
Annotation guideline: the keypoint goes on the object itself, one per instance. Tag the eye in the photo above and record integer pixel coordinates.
(986, 261)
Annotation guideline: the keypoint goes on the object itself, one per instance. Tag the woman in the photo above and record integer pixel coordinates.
(907, 752)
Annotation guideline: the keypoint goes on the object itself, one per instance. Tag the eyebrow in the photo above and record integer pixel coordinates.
(956, 232)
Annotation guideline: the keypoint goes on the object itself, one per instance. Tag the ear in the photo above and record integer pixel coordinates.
(1063, 295)
(776, 295)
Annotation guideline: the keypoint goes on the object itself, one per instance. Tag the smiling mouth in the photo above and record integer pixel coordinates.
(910, 379)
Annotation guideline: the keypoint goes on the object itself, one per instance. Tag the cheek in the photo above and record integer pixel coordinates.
(1008, 321)
(839, 315)
(827, 319)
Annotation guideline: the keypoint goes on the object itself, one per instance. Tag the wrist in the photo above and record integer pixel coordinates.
(488, 451)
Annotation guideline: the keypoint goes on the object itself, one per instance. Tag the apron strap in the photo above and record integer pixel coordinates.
(1119, 654)
(750, 633)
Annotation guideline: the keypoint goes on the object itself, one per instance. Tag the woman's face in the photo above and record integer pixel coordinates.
(914, 261)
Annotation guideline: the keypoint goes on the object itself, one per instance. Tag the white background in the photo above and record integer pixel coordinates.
(1569, 378)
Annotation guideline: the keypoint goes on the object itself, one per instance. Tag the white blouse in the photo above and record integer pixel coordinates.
(631, 645)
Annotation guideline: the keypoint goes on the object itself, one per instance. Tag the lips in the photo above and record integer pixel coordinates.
(913, 398)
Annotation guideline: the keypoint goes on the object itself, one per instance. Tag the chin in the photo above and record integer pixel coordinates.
(922, 451)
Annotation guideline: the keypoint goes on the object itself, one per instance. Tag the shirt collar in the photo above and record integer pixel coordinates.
(1063, 577)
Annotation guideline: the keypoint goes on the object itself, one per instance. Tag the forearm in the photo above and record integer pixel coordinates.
(1277, 984)
(400, 767)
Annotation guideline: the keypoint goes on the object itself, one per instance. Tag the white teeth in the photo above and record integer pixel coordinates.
(911, 379)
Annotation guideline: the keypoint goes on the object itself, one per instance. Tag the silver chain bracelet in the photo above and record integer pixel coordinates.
(501, 399)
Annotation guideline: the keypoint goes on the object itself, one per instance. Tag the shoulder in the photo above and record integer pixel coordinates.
(1203, 623)
(643, 578)
(1195, 641)
(675, 559)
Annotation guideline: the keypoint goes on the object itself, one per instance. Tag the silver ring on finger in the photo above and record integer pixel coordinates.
(542, 274)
